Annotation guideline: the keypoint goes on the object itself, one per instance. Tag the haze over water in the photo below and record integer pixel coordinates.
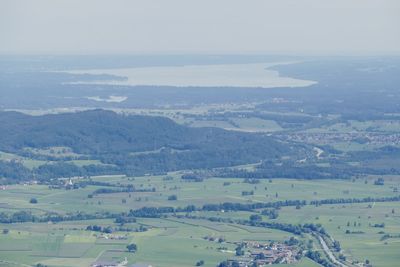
(228, 75)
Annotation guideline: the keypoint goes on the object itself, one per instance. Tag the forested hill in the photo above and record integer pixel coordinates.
(96, 131)
(116, 140)
(102, 132)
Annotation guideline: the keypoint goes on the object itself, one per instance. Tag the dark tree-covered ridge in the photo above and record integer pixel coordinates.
(115, 139)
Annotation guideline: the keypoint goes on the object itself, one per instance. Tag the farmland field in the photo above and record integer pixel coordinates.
(178, 240)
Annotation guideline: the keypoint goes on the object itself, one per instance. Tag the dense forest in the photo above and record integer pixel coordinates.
(128, 144)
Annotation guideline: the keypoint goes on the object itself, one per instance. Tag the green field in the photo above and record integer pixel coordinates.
(56, 152)
(174, 241)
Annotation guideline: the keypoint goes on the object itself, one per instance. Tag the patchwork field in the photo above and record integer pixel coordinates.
(175, 240)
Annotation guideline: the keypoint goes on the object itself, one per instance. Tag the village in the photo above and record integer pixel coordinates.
(379, 139)
(254, 253)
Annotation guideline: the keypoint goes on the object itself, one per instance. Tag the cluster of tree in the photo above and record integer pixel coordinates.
(84, 183)
(353, 232)
(251, 181)
(98, 228)
(254, 218)
(192, 177)
(316, 256)
(16, 217)
(76, 216)
(200, 263)
(387, 236)
(60, 168)
(121, 189)
(132, 248)
(239, 250)
(292, 241)
(354, 200)
(109, 229)
(298, 229)
(379, 181)
(271, 213)
(229, 206)
(145, 212)
(378, 225)
(151, 212)
(229, 263)
(14, 171)
(25, 216)
(139, 229)
(247, 193)
(124, 219)
(336, 246)
(172, 197)
(290, 170)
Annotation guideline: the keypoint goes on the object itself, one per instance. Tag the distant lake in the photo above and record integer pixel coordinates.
(229, 75)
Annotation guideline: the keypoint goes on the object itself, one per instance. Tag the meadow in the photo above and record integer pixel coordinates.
(180, 241)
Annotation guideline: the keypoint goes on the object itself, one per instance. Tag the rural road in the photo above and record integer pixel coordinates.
(329, 252)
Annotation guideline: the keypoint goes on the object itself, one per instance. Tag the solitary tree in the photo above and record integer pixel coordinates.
(132, 248)
(200, 263)
(255, 218)
(172, 197)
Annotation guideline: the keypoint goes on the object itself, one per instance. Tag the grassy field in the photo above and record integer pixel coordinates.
(179, 242)
(210, 191)
(27, 162)
(361, 126)
(238, 124)
(56, 152)
(168, 243)
(257, 125)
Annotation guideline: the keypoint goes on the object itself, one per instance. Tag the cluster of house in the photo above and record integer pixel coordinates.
(68, 184)
(32, 182)
(327, 138)
(261, 254)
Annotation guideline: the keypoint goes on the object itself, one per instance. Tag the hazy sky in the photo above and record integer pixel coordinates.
(199, 26)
